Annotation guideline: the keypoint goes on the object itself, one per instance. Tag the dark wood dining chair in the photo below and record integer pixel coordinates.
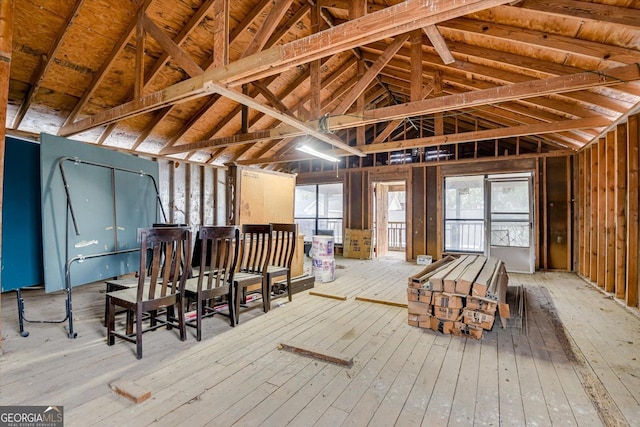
(251, 277)
(117, 284)
(283, 250)
(218, 255)
(160, 285)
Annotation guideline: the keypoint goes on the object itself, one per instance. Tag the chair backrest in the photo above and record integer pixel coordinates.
(255, 248)
(284, 244)
(169, 268)
(219, 251)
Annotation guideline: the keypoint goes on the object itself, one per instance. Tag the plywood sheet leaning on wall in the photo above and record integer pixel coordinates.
(261, 197)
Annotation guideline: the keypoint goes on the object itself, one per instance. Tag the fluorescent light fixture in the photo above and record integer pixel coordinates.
(314, 152)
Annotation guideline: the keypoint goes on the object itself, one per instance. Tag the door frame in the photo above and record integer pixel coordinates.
(507, 177)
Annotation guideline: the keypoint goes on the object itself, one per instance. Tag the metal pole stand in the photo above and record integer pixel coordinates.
(22, 318)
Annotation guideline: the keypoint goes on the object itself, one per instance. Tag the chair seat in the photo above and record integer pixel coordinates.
(244, 278)
(274, 269)
(130, 295)
(191, 286)
(119, 284)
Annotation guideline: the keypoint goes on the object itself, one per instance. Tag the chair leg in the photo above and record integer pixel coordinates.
(129, 327)
(181, 324)
(230, 303)
(237, 303)
(199, 310)
(110, 320)
(266, 295)
(139, 332)
(289, 285)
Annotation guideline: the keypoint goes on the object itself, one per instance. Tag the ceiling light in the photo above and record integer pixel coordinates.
(314, 152)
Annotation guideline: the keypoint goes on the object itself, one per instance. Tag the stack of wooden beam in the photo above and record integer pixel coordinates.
(458, 296)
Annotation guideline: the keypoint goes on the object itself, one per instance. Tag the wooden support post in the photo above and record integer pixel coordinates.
(586, 235)
(593, 272)
(544, 217)
(439, 214)
(633, 166)
(438, 118)
(315, 82)
(6, 40)
(416, 65)
(621, 210)
(570, 217)
(610, 255)
(602, 212)
(536, 216)
(580, 191)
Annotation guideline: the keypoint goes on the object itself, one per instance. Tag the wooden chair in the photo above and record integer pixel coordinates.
(116, 284)
(284, 244)
(161, 285)
(255, 254)
(218, 255)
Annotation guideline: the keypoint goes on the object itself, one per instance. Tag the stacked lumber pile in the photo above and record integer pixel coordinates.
(459, 296)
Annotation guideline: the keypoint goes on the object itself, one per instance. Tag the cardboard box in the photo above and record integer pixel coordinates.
(424, 260)
(357, 243)
(415, 307)
(445, 313)
(482, 304)
(447, 300)
(478, 318)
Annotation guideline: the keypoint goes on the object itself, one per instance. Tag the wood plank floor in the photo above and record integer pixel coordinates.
(575, 361)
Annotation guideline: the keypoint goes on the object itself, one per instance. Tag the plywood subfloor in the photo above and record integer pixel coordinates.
(575, 363)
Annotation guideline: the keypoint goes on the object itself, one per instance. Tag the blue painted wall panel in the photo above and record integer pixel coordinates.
(21, 220)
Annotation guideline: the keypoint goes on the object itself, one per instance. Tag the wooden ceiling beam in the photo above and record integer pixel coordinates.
(220, 33)
(168, 45)
(256, 11)
(459, 138)
(513, 92)
(162, 61)
(388, 22)
(529, 66)
(439, 44)
(586, 10)
(284, 118)
(370, 75)
(268, 27)
(49, 59)
(586, 50)
(157, 118)
(273, 38)
(101, 73)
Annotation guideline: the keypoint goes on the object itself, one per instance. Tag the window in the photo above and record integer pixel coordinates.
(464, 214)
(319, 207)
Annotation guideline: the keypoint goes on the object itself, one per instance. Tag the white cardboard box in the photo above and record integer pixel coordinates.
(424, 259)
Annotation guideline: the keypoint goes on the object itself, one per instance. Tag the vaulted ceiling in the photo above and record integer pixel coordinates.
(246, 81)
